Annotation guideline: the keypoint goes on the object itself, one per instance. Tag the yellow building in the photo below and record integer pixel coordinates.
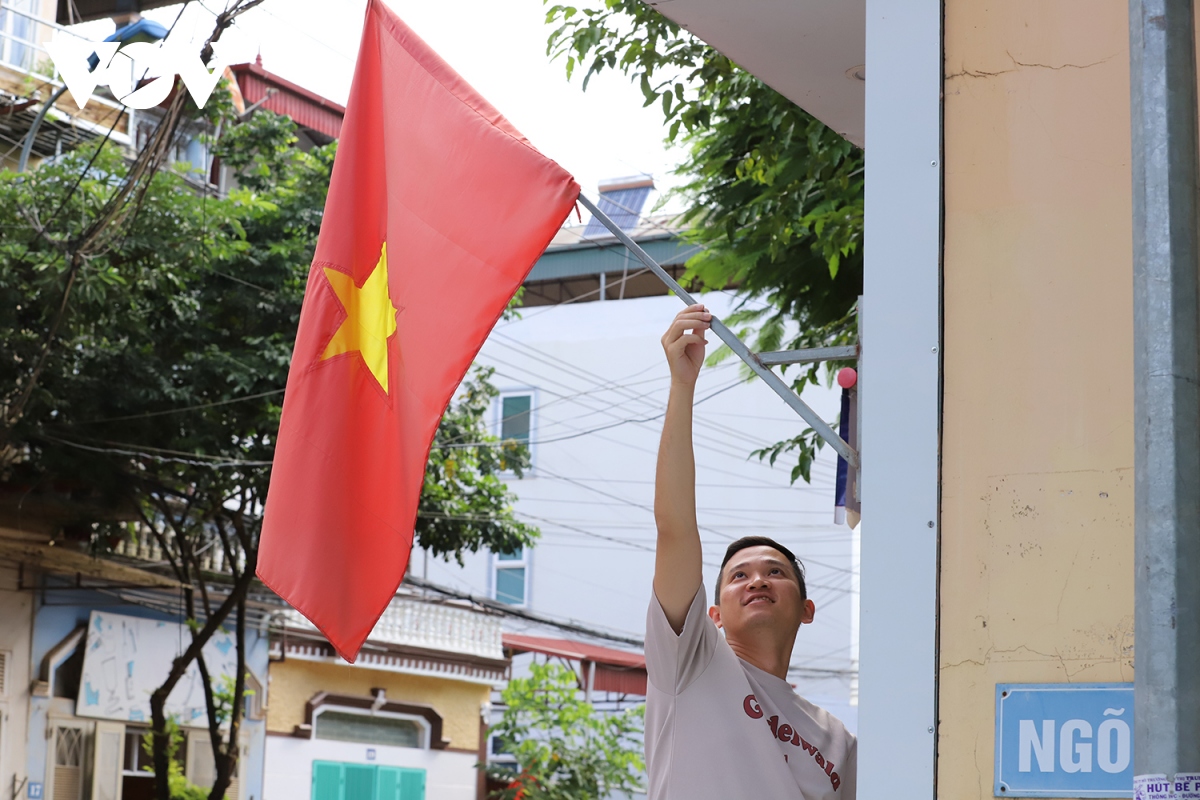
(409, 717)
(997, 375)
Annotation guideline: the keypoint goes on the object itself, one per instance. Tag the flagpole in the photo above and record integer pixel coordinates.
(731, 340)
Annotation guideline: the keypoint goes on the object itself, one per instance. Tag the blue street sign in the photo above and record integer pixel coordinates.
(1064, 740)
(35, 791)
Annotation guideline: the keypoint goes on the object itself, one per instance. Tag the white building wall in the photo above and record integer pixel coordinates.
(448, 775)
(600, 381)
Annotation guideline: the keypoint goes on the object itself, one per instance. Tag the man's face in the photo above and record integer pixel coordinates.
(759, 589)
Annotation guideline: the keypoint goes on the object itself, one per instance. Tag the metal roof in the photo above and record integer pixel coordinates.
(592, 258)
(616, 670)
(574, 651)
(306, 108)
(85, 10)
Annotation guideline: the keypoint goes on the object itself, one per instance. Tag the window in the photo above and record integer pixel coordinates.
(253, 699)
(498, 752)
(4, 659)
(137, 767)
(516, 413)
(332, 780)
(16, 46)
(381, 729)
(515, 419)
(67, 771)
(512, 576)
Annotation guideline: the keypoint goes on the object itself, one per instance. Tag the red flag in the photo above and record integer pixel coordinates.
(437, 210)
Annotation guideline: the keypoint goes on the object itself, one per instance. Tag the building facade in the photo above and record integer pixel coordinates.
(83, 643)
(406, 721)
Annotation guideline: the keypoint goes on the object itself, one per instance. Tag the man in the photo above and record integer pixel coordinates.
(721, 719)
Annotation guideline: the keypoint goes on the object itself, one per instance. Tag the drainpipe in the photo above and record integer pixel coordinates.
(1166, 399)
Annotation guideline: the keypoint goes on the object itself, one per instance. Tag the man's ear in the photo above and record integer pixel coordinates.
(810, 610)
(714, 613)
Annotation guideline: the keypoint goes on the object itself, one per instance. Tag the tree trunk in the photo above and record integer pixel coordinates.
(227, 762)
(160, 740)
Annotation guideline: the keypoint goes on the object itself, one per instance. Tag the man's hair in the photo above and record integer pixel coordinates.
(762, 541)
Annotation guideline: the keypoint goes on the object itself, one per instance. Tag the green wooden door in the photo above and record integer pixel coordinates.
(412, 784)
(399, 783)
(387, 785)
(333, 780)
(360, 782)
(327, 780)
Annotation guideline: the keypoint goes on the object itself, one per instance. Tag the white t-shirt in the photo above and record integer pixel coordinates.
(718, 727)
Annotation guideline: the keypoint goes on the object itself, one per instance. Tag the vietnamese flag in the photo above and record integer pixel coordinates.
(437, 210)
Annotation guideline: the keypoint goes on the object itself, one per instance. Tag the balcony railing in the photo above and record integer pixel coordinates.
(406, 621)
(432, 626)
(139, 543)
(24, 58)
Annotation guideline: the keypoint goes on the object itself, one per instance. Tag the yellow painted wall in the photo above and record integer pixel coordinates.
(294, 682)
(1037, 492)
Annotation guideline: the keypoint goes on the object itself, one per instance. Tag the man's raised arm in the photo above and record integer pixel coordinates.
(677, 563)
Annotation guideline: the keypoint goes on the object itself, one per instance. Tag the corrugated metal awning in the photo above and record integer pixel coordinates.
(617, 671)
(306, 108)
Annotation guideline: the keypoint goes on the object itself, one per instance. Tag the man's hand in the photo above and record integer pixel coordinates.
(678, 557)
(684, 343)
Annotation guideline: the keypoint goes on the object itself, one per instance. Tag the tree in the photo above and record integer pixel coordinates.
(160, 398)
(775, 198)
(71, 250)
(565, 749)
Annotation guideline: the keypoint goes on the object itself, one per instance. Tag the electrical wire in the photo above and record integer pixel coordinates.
(576, 371)
(179, 410)
(192, 459)
(579, 433)
(717, 446)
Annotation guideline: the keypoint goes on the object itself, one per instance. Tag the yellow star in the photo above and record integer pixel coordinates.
(370, 318)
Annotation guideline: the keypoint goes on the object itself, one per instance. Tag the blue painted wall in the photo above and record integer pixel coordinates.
(61, 609)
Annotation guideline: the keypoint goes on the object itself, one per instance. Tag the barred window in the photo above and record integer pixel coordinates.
(345, 726)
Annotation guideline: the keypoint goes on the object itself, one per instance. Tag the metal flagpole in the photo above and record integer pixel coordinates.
(1166, 399)
(755, 362)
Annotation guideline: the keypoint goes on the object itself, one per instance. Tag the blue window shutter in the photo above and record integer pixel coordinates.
(327, 781)
(412, 784)
(387, 784)
(359, 782)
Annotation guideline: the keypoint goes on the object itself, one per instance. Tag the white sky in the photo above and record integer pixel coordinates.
(499, 46)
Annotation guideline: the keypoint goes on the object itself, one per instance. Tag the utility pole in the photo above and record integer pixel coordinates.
(1166, 395)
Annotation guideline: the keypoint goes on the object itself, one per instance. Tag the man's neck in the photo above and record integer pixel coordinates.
(768, 655)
